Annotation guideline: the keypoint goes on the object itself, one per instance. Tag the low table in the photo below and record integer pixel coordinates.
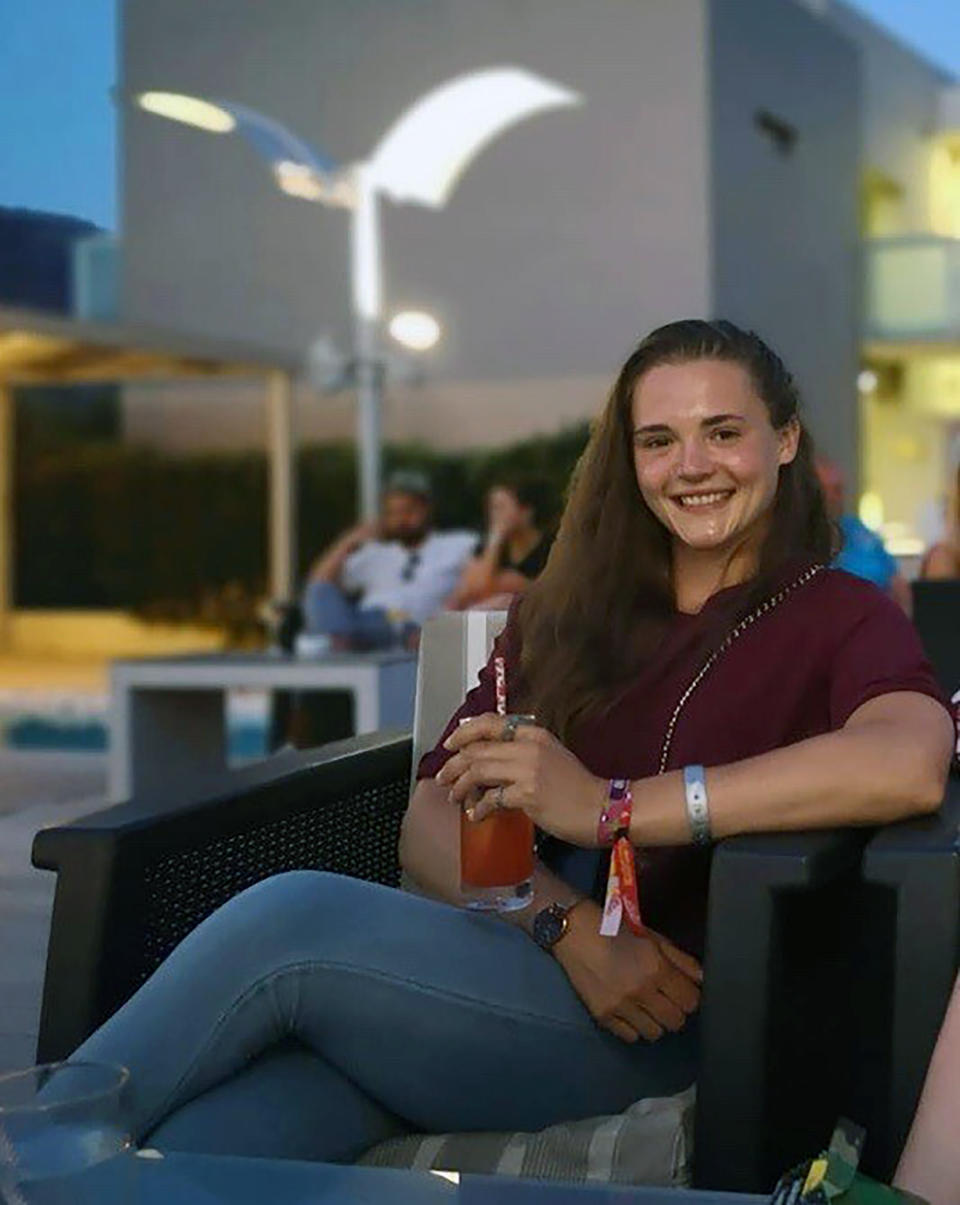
(180, 1179)
(167, 722)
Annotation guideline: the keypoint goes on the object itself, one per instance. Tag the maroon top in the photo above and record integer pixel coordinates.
(800, 670)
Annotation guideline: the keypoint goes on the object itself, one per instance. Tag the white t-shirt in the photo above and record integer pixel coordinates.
(417, 581)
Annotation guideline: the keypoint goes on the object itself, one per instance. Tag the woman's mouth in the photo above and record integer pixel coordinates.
(703, 500)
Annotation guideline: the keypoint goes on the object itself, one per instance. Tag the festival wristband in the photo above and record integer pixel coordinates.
(621, 900)
(615, 817)
(698, 808)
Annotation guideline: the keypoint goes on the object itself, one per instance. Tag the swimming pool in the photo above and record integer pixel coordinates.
(78, 722)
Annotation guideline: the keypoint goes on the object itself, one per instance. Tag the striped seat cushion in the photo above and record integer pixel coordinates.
(650, 1143)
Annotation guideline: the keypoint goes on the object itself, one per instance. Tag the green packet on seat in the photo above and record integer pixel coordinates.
(832, 1177)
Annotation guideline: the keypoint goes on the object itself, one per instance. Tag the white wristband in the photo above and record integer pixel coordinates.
(698, 809)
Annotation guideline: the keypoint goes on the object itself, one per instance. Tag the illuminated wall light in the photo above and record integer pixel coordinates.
(189, 110)
(415, 329)
(871, 510)
(867, 381)
(900, 540)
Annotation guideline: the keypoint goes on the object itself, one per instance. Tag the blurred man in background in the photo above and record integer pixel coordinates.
(379, 582)
(863, 553)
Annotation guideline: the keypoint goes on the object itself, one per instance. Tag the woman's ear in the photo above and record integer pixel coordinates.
(788, 441)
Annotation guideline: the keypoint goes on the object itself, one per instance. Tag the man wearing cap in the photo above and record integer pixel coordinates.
(378, 582)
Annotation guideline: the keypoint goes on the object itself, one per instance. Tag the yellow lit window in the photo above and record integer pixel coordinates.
(945, 187)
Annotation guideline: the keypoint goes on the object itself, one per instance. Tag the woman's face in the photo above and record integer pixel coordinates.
(504, 512)
(706, 456)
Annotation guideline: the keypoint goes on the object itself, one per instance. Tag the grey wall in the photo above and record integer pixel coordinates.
(785, 235)
(566, 239)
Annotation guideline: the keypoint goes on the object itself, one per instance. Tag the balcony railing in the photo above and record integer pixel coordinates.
(912, 289)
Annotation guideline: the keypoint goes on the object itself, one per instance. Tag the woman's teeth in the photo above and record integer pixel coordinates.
(694, 500)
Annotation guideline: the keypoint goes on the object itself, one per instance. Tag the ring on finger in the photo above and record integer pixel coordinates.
(498, 798)
(512, 722)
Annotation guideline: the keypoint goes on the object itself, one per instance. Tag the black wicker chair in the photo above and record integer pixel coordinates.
(909, 954)
(135, 879)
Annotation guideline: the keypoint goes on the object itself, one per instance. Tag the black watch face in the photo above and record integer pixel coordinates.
(549, 925)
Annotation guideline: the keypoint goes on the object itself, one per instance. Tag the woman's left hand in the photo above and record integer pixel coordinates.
(533, 772)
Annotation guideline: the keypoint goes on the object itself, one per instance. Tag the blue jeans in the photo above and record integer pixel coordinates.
(314, 1015)
(328, 611)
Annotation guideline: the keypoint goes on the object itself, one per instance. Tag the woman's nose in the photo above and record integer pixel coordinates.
(695, 459)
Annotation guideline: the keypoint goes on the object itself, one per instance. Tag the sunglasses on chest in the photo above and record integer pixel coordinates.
(410, 568)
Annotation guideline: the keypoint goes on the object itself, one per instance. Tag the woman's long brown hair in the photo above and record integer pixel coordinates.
(599, 609)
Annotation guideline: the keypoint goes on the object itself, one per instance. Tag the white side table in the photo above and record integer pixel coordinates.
(167, 713)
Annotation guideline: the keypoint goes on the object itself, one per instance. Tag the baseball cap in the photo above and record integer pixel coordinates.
(409, 481)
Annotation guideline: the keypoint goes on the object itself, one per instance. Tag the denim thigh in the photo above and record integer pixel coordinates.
(447, 1019)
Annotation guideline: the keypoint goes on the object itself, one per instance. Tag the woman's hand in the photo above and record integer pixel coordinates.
(536, 774)
(635, 987)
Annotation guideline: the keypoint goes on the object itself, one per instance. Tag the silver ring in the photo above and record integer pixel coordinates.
(498, 798)
(512, 722)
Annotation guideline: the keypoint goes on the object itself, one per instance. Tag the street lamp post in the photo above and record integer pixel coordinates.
(419, 160)
(365, 274)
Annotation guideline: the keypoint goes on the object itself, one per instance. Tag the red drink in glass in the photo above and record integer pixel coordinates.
(496, 853)
(496, 861)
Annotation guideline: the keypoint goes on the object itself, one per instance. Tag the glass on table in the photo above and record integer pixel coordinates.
(63, 1138)
(496, 857)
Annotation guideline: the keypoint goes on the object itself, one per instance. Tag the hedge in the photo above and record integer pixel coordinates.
(104, 524)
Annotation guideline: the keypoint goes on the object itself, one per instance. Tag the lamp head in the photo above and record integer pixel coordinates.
(415, 330)
(299, 169)
(188, 110)
(424, 153)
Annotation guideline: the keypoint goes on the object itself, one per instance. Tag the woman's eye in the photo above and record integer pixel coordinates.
(656, 441)
(723, 434)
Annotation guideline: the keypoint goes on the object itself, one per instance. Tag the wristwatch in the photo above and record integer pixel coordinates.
(551, 923)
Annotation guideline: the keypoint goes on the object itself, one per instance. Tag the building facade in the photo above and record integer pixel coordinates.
(726, 160)
(910, 316)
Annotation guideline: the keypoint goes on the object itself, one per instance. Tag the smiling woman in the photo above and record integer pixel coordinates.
(658, 651)
(699, 476)
(710, 473)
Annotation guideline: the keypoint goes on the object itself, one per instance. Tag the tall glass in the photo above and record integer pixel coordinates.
(63, 1140)
(496, 859)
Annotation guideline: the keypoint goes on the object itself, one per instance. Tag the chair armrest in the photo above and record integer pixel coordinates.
(917, 862)
(738, 1144)
(134, 879)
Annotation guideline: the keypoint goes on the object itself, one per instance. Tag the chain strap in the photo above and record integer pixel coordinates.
(767, 605)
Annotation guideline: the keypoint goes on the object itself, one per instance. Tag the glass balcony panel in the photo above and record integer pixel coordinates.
(912, 288)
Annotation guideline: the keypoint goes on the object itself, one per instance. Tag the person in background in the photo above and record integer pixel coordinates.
(378, 582)
(943, 558)
(516, 547)
(863, 552)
